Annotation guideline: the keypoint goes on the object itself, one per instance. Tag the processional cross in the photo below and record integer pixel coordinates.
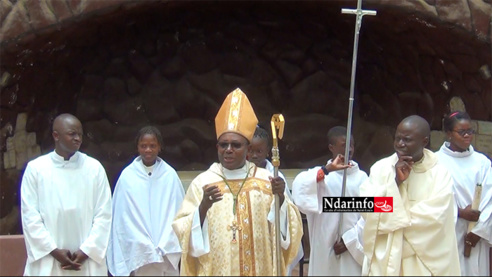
(359, 12)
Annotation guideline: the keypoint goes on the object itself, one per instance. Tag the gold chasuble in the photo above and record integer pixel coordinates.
(240, 244)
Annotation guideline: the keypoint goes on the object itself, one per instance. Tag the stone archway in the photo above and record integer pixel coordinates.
(120, 64)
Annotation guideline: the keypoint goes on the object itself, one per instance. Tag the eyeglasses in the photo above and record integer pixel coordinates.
(233, 145)
(465, 132)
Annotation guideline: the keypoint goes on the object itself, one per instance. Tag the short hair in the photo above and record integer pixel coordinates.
(61, 118)
(451, 119)
(336, 132)
(149, 130)
(421, 124)
(262, 133)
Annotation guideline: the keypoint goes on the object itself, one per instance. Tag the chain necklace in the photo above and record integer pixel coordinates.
(234, 196)
(234, 226)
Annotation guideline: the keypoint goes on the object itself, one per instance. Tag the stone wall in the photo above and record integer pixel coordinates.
(22, 20)
(171, 66)
(482, 140)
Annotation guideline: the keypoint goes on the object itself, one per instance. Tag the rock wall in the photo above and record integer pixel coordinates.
(23, 20)
(171, 65)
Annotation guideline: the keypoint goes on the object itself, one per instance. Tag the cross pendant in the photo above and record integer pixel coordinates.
(234, 227)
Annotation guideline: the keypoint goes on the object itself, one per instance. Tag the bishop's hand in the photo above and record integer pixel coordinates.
(278, 187)
(211, 194)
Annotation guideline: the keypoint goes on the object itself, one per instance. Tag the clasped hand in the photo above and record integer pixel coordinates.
(68, 260)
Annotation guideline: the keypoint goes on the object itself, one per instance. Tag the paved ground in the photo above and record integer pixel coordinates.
(295, 271)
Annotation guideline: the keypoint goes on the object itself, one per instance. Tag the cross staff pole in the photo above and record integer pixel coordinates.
(359, 12)
(277, 122)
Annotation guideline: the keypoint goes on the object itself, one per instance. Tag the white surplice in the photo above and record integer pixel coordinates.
(269, 166)
(418, 237)
(323, 227)
(468, 169)
(65, 205)
(143, 210)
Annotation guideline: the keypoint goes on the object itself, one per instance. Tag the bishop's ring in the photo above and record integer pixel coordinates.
(210, 198)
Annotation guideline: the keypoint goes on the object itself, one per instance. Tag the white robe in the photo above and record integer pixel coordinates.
(66, 205)
(143, 210)
(269, 166)
(323, 227)
(468, 169)
(418, 237)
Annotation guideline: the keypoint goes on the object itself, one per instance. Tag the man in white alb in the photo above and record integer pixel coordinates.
(332, 255)
(66, 208)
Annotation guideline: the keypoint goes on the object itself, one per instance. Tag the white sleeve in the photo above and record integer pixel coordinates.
(284, 223)
(483, 228)
(199, 243)
(96, 244)
(353, 241)
(38, 239)
(305, 191)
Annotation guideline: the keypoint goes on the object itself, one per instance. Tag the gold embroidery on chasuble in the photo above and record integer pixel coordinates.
(244, 232)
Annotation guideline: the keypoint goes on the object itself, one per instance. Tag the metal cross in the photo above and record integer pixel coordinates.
(359, 12)
(234, 227)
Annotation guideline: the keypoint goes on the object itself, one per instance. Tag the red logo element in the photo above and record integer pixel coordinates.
(383, 204)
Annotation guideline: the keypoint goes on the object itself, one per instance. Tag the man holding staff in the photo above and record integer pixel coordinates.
(226, 222)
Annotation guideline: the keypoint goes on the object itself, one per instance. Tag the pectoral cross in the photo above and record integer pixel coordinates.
(234, 227)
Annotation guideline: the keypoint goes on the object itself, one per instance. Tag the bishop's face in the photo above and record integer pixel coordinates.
(232, 149)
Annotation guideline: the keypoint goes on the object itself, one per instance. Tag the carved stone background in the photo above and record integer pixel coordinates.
(119, 65)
